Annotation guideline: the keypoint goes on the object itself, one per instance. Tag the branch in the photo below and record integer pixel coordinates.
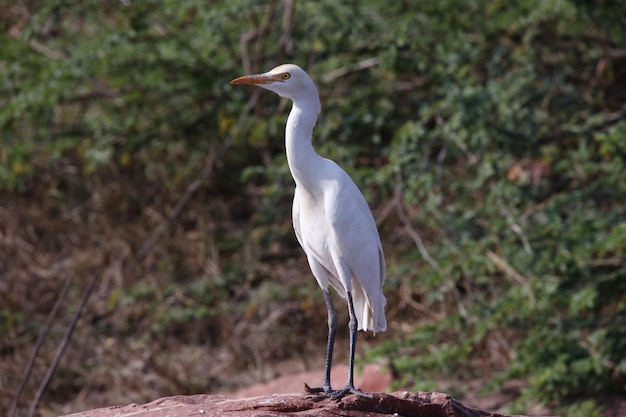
(286, 42)
(456, 139)
(359, 66)
(196, 183)
(506, 267)
(409, 228)
(33, 354)
(63, 345)
(249, 36)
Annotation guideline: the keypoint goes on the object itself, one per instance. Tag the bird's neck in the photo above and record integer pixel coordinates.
(304, 162)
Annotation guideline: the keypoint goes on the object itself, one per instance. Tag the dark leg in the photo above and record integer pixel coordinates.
(332, 329)
(353, 325)
(349, 388)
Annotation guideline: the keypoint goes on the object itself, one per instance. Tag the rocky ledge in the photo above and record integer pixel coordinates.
(401, 403)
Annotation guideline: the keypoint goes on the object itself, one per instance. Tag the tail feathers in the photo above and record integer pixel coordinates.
(370, 311)
(380, 321)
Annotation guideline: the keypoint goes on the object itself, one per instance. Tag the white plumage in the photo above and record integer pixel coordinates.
(331, 218)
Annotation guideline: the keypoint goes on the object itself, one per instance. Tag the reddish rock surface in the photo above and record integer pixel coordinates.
(407, 404)
(373, 378)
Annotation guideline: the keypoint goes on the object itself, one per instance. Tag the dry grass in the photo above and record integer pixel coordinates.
(130, 345)
(219, 302)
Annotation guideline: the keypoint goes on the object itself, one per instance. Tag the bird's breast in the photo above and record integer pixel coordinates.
(314, 228)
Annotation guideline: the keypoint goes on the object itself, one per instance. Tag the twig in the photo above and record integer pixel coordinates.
(44, 50)
(244, 45)
(422, 249)
(262, 33)
(63, 344)
(519, 232)
(609, 120)
(33, 354)
(286, 42)
(196, 183)
(409, 228)
(506, 267)
(517, 229)
(456, 139)
(359, 66)
(191, 188)
(416, 237)
(258, 34)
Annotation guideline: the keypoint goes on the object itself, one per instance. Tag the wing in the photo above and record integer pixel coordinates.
(358, 246)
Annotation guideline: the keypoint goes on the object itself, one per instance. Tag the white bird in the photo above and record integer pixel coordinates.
(332, 221)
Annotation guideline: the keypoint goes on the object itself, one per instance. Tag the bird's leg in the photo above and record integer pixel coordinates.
(349, 388)
(332, 330)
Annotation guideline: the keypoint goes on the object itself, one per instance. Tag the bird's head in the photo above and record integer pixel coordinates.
(288, 80)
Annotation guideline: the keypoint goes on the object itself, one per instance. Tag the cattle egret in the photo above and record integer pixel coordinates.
(332, 221)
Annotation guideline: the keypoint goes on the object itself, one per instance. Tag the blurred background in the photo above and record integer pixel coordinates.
(145, 203)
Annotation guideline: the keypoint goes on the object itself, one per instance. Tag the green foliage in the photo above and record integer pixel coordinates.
(516, 178)
(494, 130)
(587, 408)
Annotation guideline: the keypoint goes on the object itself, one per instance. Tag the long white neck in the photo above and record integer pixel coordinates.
(304, 162)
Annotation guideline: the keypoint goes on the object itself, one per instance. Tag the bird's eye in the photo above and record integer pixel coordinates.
(285, 75)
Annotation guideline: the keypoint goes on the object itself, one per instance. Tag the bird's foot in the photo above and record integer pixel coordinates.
(322, 391)
(336, 395)
(348, 389)
(316, 390)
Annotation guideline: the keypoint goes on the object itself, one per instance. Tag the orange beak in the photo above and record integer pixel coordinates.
(257, 79)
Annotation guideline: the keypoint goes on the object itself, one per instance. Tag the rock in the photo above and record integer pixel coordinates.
(372, 378)
(401, 403)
